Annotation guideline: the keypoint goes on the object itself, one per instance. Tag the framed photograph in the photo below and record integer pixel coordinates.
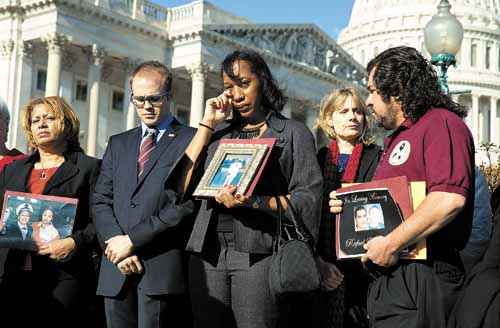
(28, 219)
(375, 209)
(366, 214)
(236, 162)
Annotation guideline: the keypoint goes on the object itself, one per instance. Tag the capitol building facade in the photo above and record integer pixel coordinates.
(84, 51)
(376, 25)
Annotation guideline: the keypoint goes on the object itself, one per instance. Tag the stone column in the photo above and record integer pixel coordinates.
(6, 51)
(475, 118)
(128, 106)
(198, 74)
(494, 138)
(497, 57)
(481, 54)
(22, 93)
(465, 50)
(96, 60)
(55, 44)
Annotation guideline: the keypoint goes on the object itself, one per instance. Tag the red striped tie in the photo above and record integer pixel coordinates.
(147, 147)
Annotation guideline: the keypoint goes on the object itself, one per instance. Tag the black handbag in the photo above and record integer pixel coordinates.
(293, 266)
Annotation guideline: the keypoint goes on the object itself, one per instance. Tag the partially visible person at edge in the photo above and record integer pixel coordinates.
(430, 143)
(6, 155)
(479, 303)
(481, 223)
(232, 238)
(351, 156)
(60, 278)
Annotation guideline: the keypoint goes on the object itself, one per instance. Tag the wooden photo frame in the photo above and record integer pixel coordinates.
(237, 162)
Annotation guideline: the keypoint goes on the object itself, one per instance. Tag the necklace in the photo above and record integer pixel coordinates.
(43, 173)
(250, 133)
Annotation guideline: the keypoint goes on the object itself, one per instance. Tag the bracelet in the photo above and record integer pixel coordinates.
(257, 202)
(206, 126)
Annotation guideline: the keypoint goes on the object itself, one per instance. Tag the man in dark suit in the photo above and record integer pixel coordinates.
(22, 228)
(139, 217)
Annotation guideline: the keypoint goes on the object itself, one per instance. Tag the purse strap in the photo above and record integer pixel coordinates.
(300, 231)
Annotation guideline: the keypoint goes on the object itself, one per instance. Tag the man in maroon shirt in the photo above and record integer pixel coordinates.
(429, 142)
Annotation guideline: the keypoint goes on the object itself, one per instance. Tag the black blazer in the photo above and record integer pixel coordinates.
(292, 169)
(148, 210)
(74, 178)
(15, 231)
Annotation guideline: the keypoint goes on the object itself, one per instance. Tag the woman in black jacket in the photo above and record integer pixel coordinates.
(55, 286)
(233, 235)
(350, 157)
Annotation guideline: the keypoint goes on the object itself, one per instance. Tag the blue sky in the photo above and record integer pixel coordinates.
(330, 15)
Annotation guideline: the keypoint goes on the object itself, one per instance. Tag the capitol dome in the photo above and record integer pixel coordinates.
(376, 25)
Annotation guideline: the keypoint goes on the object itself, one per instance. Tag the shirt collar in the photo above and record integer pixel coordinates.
(407, 123)
(162, 127)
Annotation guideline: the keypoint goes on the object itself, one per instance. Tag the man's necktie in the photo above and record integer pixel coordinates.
(147, 147)
(24, 231)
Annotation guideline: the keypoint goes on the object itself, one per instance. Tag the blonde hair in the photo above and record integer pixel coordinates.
(333, 102)
(68, 124)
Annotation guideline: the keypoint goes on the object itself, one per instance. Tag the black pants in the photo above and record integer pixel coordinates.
(234, 291)
(415, 295)
(32, 298)
(135, 309)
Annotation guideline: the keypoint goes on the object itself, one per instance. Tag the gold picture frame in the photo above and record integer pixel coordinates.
(236, 162)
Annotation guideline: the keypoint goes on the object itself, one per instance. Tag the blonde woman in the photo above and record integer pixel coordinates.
(350, 156)
(59, 278)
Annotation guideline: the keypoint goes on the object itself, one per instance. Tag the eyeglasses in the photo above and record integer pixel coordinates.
(154, 100)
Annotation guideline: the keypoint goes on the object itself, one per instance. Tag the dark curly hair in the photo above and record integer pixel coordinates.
(272, 96)
(403, 73)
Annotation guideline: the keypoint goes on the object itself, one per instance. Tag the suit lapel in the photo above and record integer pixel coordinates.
(131, 157)
(24, 174)
(65, 172)
(367, 158)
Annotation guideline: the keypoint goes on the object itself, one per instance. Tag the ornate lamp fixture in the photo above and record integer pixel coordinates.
(443, 37)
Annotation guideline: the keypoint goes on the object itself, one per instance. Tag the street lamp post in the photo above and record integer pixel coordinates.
(443, 37)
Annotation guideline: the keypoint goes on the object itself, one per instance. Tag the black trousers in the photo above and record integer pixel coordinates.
(46, 300)
(134, 308)
(232, 290)
(415, 295)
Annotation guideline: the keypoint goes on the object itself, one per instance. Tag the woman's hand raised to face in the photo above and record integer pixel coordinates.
(217, 109)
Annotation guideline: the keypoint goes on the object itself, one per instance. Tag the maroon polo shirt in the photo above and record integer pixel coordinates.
(439, 150)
